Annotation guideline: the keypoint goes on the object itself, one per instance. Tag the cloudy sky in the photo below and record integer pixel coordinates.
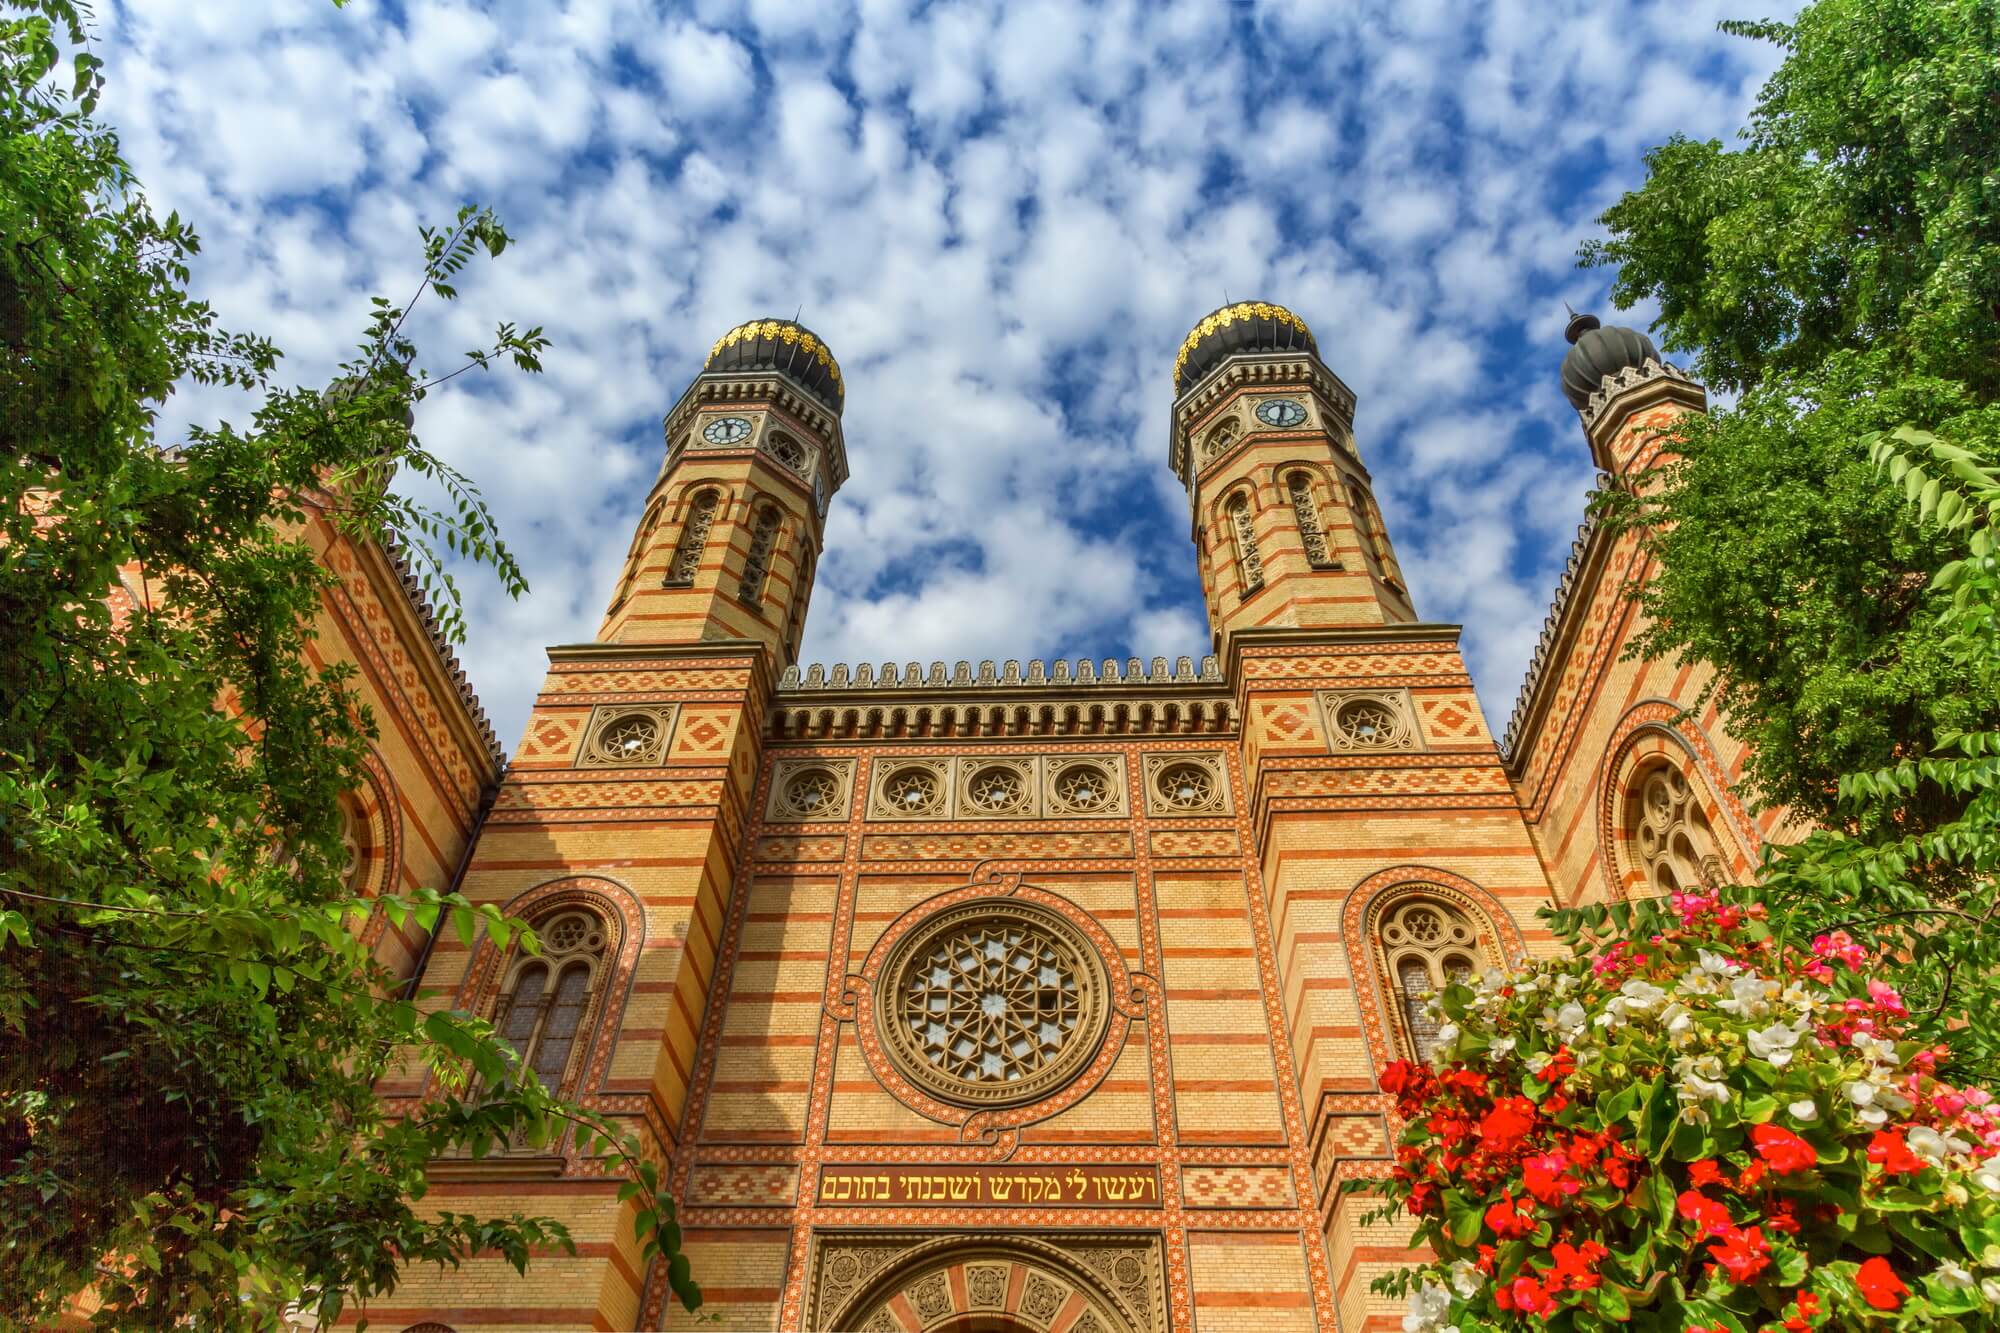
(1003, 218)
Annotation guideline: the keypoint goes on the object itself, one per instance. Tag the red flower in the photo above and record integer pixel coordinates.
(1544, 1177)
(1507, 1123)
(1398, 1076)
(1509, 1220)
(1782, 1150)
(1742, 1253)
(1880, 1286)
(1705, 1173)
(1888, 1150)
(1782, 1215)
(1709, 1216)
(1802, 1321)
(1526, 1295)
(1576, 1266)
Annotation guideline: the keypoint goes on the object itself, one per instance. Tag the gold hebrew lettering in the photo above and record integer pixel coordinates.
(961, 1188)
(1076, 1179)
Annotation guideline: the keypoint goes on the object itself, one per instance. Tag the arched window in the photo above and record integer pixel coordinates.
(641, 539)
(795, 624)
(545, 1008)
(1220, 439)
(1368, 523)
(1318, 554)
(1427, 945)
(694, 539)
(1672, 845)
(757, 564)
(1249, 564)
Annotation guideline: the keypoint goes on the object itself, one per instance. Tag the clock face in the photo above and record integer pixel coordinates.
(1280, 412)
(726, 430)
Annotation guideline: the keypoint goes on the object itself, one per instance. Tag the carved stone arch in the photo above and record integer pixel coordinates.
(1652, 735)
(1011, 1283)
(1497, 936)
(372, 830)
(685, 497)
(623, 916)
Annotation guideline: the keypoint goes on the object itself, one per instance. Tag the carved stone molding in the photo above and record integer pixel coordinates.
(810, 789)
(627, 736)
(1370, 721)
(1086, 786)
(913, 1282)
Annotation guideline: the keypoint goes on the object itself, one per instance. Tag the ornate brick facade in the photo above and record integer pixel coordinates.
(1051, 999)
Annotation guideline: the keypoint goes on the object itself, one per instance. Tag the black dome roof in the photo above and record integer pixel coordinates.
(1247, 326)
(1596, 352)
(782, 344)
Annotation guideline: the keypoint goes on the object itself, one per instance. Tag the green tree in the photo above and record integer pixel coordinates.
(1839, 272)
(190, 1028)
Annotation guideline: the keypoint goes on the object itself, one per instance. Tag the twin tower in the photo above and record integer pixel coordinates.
(1284, 513)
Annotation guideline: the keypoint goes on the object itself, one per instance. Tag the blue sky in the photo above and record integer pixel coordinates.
(1003, 218)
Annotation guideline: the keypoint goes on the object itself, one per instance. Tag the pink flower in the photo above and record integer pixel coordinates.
(1841, 947)
(1886, 997)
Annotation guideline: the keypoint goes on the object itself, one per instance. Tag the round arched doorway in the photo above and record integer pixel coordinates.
(956, 1284)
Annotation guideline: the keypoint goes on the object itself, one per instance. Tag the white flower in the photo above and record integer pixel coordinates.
(1640, 996)
(1716, 965)
(1677, 1020)
(1987, 1177)
(1466, 1279)
(1428, 1305)
(1565, 983)
(1928, 1143)
(1447, 1034)
(1747, 996)
(1501, 1048)
(1949, 1275)
(1571, 1018)
(1774, 1043)
(1694, 1088)
(1861, 1093)
(1538, 1061)
(1989, 1291)
(1804, 1109)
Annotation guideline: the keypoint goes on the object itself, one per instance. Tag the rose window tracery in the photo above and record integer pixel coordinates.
(816, 791)
(997, 790)
(992, 1002)
(1083, 788)
(1371, 724)
(913, 791)
(627, 738)
(1186, 786)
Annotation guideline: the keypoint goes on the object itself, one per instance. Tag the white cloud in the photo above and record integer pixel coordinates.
(1003, 218)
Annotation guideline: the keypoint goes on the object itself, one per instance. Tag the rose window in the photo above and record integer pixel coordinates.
(1370, 724)
(629, 738)
(1186, 786)
(352, 853)
(1083, 787)
(997, 790)
(813, 792)
(912, 791)
(992, 1002)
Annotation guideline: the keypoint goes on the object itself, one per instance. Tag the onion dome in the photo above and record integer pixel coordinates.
(1248, 326)
(1596, 352)
(781, 345)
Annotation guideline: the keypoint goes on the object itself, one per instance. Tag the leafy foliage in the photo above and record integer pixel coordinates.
(1840, 271)
(192, 1026)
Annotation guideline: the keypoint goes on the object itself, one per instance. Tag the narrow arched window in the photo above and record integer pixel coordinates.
(1427, 946)
(796, 623)
(1249, 564)
(1670, 838)
(1311, 535)
(545, 1008)
(1368, 523)
(757, 564)
(694, 539)
(641, 539)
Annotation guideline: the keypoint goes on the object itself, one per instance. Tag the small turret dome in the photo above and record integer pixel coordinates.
(782, 345)
(1247, 326)
(1596, 352)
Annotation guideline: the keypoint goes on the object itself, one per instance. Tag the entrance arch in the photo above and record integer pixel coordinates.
(958, 1284)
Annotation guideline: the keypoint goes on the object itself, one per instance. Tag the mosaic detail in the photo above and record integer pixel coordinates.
(983, 846)
(1237, 1187)
(1049, 1282)
(744, 1186)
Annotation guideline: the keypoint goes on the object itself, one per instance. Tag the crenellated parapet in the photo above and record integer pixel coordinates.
(962, 675)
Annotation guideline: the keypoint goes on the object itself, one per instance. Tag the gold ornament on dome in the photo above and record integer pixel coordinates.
(1228, 315)
(994, 1002)
(790, 333)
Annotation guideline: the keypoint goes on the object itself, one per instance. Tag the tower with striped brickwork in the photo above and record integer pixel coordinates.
(1048, 997)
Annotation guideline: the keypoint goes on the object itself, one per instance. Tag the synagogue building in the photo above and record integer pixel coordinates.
(1017, 997)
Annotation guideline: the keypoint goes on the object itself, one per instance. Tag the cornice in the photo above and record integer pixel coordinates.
(1587, 556)
(1331, 636)
(1633, 390)
(565, 654)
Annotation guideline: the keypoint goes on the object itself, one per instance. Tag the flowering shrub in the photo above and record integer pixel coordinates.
(1701, 1130)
